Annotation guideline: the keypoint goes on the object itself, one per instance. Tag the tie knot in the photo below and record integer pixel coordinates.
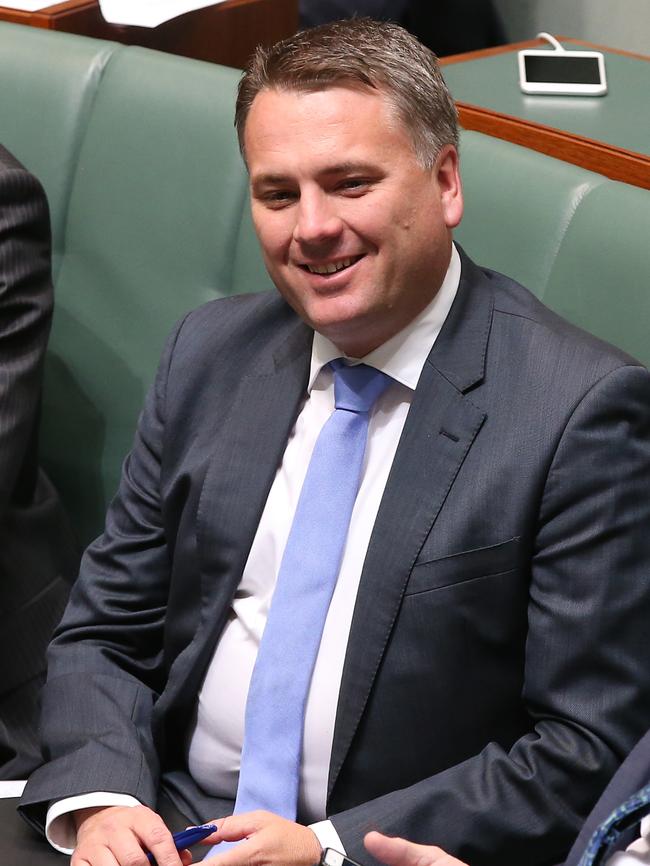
(357, 388)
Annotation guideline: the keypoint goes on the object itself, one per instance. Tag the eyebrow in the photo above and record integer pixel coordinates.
(330, 171)
(270, 179)
(350, 167)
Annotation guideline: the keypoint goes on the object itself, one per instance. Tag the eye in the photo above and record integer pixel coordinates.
(277, 198)
(354, 183)
(353, 187)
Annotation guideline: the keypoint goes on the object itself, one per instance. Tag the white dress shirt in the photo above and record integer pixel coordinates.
(215, 741)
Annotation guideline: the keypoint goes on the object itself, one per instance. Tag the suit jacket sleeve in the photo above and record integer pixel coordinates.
(587, 671)
(98, 736)
(25, 316)
(38, 553)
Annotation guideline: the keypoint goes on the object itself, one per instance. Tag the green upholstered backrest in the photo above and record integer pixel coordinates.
(578, 240)
(48, 83)
(149, 199)
(518, 206)
(601, 274)
(154, 218)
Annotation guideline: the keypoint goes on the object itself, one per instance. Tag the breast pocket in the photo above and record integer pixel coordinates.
(465, 565)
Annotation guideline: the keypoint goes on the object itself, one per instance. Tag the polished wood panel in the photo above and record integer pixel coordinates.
(226, 33)
(614, 162)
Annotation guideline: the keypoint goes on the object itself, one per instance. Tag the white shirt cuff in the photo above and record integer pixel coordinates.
(12, 789)
(327, 836)
(60, 829)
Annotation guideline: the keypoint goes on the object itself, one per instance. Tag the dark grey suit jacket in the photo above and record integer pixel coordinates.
(38, 558)
(498, 667)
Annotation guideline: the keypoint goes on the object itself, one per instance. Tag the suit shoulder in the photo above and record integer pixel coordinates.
(8, 161)
(233, 336)
(518, 308)
(237, 318)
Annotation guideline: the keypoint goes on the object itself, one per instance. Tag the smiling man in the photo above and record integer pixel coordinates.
(379, 556)
(357, 246)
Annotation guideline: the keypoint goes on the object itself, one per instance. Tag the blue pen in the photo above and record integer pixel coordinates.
(189, 837)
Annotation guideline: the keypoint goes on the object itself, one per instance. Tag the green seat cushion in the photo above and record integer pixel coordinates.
(518, 205)
(48, 82)
(155, 215)
(600, 279)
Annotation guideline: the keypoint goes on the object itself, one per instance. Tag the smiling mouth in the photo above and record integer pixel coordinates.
(332, 267)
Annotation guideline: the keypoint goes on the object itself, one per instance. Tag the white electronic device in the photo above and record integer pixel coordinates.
(561, 72)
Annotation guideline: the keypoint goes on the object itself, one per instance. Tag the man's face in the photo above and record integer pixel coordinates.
(355, 234)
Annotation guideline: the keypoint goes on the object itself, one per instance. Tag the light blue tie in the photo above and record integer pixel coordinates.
(275, 709)
(627, 815)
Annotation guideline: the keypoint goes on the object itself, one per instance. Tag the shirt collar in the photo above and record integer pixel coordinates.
(403, 356)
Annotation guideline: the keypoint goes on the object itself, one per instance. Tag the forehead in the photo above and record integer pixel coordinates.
(318, 124)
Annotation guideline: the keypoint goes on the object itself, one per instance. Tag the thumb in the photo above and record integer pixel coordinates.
(398, 852)
(390, 850)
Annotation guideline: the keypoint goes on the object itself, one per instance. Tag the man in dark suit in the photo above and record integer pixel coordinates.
(37, 553)
(484, 664)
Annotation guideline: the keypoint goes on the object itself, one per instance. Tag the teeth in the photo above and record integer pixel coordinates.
(332, 267)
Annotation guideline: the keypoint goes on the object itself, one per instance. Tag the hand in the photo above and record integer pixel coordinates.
(399, 852)
(269, 841)
(121, 836)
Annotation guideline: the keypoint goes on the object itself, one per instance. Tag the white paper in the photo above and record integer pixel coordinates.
(12, 789)
(28, 5)
(149, 13)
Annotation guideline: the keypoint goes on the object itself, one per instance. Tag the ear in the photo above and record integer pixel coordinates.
(451, 190)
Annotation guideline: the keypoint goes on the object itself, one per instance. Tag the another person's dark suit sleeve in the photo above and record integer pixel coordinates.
(36, 544)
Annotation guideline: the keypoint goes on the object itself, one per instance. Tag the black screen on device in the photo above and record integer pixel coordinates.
(562, 70)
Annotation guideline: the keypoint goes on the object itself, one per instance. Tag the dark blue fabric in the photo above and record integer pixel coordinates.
(633, 774)
(626, 816)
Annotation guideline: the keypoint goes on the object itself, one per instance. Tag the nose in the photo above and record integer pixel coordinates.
(316, 219)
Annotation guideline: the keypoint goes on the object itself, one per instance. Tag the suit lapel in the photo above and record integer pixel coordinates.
(440, 429)
(248, 447)
(248, 451)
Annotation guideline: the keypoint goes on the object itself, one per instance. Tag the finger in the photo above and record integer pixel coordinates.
(127, 849)
(398, 852)
(157, 839)
(98, 856)
(237, 827)
(390, 850)
(186, 857)
(238, 855)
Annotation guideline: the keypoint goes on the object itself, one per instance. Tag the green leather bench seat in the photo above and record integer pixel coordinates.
(47, 90)
(578, 240)
(137, 152)
(518, 206)
(153, 220)
(601, 274)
